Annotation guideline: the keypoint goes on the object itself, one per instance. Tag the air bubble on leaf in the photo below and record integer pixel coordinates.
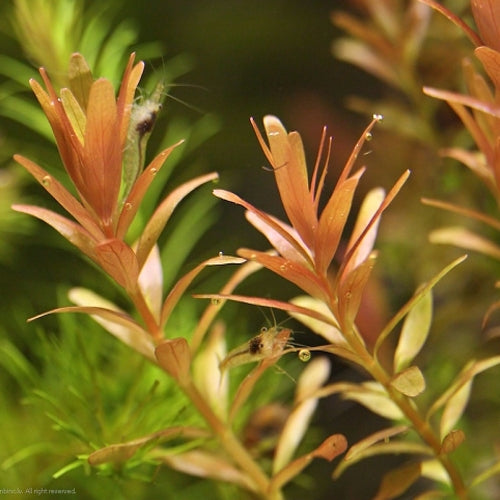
(368, 136)
(128, 206)
(47, 179)
(221, 254)
(378, 117)
(304, 355)
(153, 171)
(215, 301)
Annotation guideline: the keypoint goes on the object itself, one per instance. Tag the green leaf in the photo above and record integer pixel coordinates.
(409, 382)
(68, 468)
(80, 79)
(397, 481)
(121, 452)
(414, 332)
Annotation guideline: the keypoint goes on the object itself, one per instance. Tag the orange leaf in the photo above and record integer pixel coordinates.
(332, 222)
(61, 195)
(398, 480)
(174, 357)
(162, 214)
(119, 261)
(72, 231)
(133, 202)
(291, 271)
(101, 174)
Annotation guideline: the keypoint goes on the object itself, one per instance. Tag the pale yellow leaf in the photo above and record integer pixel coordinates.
(463, 238)
(473, 368)
(414, 332)
(375, 398)
(433, 469)
(371, 203)
(312, 378)
(454, 408)
(409, 382)
(326, 330)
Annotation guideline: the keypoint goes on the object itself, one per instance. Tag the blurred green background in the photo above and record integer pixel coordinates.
(230, 60)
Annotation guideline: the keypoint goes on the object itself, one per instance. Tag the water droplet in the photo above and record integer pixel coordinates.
(283, 267)
(368, 136)
(128, 206)
(215, 301)
(304, 355)
(221, 254)
(47, 179)
(378, 117)
(153, 171)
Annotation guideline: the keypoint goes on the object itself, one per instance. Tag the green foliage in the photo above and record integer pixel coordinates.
(138, 396)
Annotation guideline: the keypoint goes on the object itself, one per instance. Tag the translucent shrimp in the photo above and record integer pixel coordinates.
(270, 342)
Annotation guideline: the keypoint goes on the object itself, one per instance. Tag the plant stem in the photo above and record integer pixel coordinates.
(231, 443)
(142, 307)
(420, 425)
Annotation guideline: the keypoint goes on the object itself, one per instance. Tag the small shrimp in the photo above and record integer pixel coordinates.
(268, 343)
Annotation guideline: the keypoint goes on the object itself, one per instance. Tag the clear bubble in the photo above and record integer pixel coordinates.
(215, 301)
(378, 117)
(304, 355)
(368, 136)
(47, 179)
(153, 171)
(128, 206)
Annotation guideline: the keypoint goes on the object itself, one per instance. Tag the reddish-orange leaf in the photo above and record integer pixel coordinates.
(119, 261)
